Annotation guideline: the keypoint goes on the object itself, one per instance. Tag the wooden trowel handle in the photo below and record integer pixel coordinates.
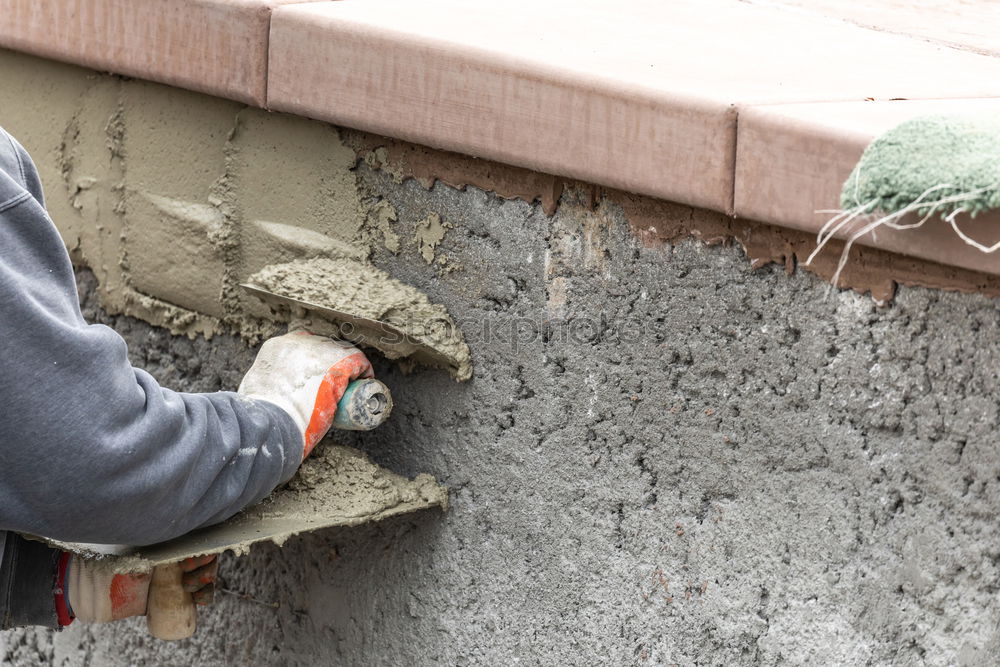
(170, 613)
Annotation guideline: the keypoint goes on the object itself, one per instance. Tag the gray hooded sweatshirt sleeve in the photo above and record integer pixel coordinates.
(92, 449)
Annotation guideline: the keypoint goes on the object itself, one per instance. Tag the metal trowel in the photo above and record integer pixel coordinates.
(365, 405)
(384, 336)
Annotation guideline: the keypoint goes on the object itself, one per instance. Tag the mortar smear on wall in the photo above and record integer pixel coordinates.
(173, 198)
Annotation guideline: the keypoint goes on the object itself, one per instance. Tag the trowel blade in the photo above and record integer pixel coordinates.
(283, 515)
(351, 327)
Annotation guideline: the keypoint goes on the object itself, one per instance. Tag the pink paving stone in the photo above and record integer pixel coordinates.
(793, 160)
(641, 95)
(967, 24)
(212, 46)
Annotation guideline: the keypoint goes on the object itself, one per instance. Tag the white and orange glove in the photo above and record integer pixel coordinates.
(93, 594)
(306, 376)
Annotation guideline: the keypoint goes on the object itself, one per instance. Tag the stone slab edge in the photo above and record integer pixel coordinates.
(695, 147)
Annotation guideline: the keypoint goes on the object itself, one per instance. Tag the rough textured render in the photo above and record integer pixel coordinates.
(793, 160)
(214, 46)
(643, 98)
(666, 455)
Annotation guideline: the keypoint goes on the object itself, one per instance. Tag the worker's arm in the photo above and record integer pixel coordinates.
(94, 450)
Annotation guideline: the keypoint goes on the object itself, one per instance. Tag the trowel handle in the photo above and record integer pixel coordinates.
(170, 612)
(364, 405)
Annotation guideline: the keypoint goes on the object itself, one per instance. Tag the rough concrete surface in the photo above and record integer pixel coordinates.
(664, 457)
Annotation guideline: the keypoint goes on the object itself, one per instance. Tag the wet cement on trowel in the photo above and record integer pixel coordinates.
(342, 481)
(364, 290)
(336, 486)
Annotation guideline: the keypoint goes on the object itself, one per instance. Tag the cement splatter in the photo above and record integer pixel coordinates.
(382, 217)
(428, 236)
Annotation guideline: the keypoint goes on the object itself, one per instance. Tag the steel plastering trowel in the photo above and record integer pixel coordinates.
(390, 339)
(365, 405)
(279, 517)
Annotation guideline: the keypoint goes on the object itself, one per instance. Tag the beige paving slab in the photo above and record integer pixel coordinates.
(966, 24)
(212, 46)
(641, 96)
(792, 162)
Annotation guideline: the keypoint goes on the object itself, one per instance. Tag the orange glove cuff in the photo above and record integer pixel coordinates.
(331, 389)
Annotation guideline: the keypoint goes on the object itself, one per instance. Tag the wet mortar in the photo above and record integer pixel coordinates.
(363, 290)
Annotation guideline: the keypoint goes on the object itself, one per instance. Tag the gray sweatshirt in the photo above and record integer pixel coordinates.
(92, 449)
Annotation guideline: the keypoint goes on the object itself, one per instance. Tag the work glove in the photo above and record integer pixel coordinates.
(93, 594)
(306, 376)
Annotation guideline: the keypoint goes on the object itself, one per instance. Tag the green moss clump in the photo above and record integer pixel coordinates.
(954, 154)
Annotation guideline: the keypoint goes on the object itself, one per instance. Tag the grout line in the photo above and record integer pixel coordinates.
(267, 45)
(267, 58)
(736, 151)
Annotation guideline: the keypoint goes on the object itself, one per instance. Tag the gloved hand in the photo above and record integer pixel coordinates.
(306, 376)
(95, 595)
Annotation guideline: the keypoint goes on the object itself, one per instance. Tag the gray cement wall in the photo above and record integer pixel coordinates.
(664, 458)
